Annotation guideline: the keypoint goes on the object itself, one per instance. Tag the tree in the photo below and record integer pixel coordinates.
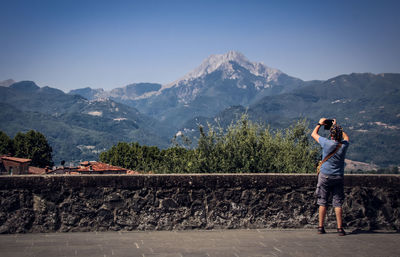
(132, 156)
(248, 146)
(33, 145)
(244, 147)
(6, 145)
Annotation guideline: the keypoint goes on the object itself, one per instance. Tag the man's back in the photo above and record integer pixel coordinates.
(335, 164)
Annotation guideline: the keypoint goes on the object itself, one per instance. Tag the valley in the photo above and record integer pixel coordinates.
(84, 122)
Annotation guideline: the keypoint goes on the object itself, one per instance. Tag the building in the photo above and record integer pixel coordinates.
(37, 170)
(20, 166)
(63, 170)
(14, 165)
(93, 167)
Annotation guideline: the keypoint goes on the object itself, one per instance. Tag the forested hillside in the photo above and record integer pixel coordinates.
(366, 105)
(77, 129)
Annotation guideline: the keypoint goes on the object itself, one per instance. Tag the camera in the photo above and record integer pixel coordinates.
(328, 124)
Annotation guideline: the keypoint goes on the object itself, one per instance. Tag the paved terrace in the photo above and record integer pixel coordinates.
(230, 243)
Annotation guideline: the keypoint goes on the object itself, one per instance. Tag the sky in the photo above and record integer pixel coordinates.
(70, 44)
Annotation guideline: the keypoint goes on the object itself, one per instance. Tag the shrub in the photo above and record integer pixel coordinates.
(243, 147)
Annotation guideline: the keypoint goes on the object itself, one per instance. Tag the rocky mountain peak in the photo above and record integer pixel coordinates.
(7, 83)
(215, 61)
(224, 62)
(25, 86)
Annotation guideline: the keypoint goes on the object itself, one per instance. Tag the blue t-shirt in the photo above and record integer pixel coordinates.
(335, 164)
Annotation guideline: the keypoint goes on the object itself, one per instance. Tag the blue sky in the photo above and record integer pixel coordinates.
(71, 44)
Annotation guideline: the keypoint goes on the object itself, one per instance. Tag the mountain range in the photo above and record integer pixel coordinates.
(86, 121)
(366, 106)
(218, 83)
(76, 128)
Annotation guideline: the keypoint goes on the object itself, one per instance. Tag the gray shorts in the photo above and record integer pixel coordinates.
(330, 185)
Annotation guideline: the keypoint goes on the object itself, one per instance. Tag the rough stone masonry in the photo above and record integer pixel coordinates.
(61, 203)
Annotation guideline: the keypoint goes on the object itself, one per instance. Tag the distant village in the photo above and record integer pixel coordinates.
(20, 166)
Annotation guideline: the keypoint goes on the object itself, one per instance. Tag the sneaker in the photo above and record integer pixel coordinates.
(321, 230)
(341, 232)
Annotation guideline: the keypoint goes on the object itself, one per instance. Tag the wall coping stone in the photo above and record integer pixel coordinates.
(248, 180)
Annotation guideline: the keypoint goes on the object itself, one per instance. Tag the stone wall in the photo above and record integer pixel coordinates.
(167, 202)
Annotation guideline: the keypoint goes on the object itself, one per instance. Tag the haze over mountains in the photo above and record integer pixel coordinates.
(86, 121)
(76, 128)
(218, 83)
(366, 105)
(6, 83)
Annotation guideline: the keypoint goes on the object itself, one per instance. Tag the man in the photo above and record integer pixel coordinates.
(330, 179)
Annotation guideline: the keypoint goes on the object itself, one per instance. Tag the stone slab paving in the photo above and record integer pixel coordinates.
(199, 243)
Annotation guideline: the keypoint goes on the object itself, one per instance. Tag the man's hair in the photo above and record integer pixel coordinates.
(336, 132)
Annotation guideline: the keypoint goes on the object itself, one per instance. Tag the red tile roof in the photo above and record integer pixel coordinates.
(132, 172)
(36, 170)
(98, 167)
(85, 163)
(15, 159)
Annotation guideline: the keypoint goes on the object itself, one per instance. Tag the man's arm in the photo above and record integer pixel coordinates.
(314, 134)
(345, 137)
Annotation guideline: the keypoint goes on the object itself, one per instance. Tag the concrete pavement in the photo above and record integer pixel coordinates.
(193, 243)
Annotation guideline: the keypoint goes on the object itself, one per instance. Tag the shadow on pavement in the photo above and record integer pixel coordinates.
(361, 231)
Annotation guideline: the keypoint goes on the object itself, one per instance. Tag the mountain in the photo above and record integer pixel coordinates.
(6, 83)
(134, 91)
(86, 121)
(366, 105)
(27, 96)
(76, 128)
(89, 93)
(125, 94)
(219, 82)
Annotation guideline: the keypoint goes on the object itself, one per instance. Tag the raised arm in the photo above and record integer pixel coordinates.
(345, 137)
(314, 134)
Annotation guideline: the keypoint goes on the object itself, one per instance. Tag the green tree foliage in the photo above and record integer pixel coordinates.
(243, 147)
(6, 145)
(132, 156)
(250, 147)
(33, 145)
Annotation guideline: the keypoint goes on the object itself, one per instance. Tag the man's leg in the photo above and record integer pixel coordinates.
(322, 195)
(322, 214)
(338, 199)
(338, 211)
